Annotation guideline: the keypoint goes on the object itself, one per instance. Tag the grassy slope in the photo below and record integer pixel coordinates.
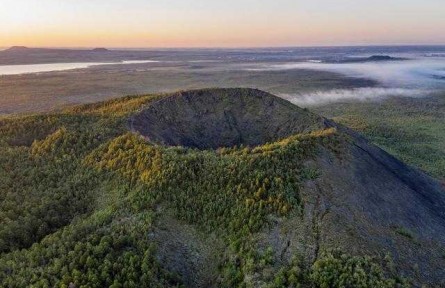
(412, 129)
(79, 194)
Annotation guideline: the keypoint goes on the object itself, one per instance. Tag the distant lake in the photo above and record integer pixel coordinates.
(39, 68)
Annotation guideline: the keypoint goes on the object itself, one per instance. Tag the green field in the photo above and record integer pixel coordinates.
(412, 129)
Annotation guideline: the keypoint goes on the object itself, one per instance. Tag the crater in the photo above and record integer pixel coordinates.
(213, 118)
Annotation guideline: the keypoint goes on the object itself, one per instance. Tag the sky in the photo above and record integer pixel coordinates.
(224, 23)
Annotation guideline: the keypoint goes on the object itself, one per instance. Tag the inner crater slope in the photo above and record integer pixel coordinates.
(213, 118)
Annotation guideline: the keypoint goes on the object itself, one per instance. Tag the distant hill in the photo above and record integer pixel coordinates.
(373, 58)
(17, 48)
(210, 188)
(381, 58)
(100, 50)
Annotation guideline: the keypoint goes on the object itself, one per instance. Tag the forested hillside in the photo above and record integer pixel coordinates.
(84, 202)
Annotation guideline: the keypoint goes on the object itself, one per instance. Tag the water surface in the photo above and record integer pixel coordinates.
(52, 67)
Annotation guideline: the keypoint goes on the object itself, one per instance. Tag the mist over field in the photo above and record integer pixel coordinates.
(410, 73)
(355, 94)
(412, 77)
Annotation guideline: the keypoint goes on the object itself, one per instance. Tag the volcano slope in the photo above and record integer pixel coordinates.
(210, 188)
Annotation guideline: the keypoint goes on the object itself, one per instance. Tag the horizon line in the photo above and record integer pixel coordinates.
(226, 47)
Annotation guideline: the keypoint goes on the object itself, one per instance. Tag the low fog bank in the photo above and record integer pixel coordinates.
(414, 73)
(416, 77)
(357, 94)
